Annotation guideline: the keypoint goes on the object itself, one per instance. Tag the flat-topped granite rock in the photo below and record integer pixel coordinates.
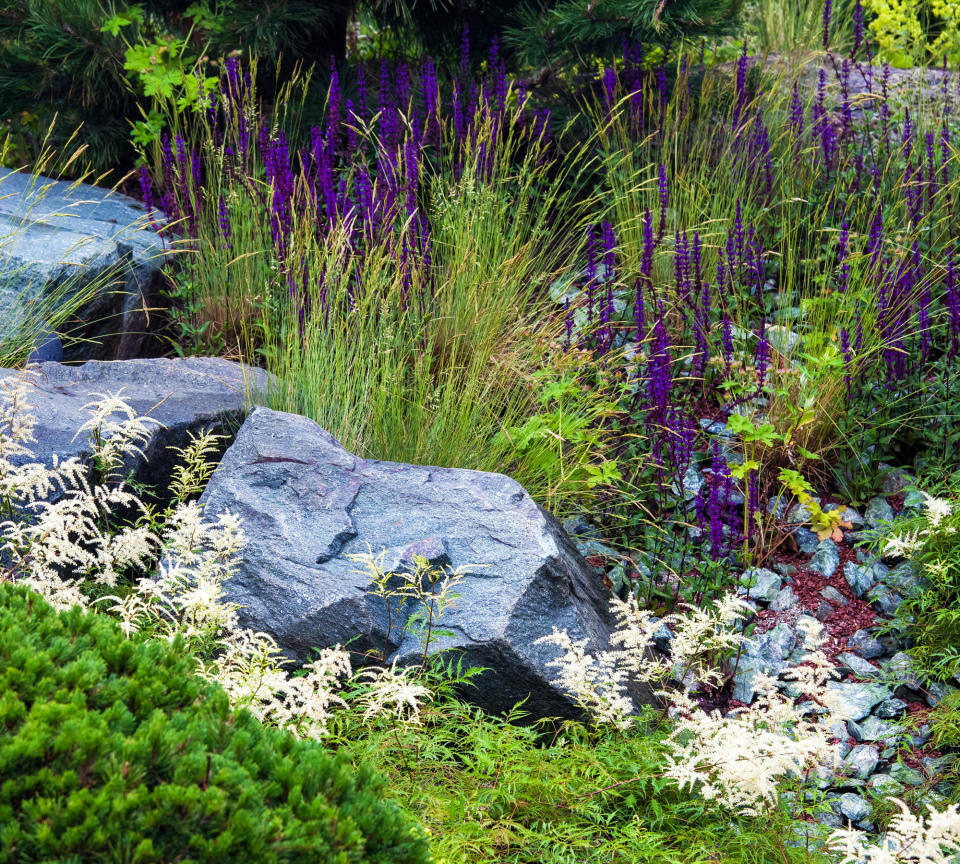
(53, 231)
(183, 394)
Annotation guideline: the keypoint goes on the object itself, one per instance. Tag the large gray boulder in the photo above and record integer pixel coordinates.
(184, 395)
(52, 232)
(306, 504)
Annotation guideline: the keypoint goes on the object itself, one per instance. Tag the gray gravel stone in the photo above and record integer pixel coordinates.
(902, 578)
(800, 514)
(865, 645)
(832, 595)
(862, 577)
(760, 583)
(853, 807)
(914, 500)
(874, 728)
(693, 482)
(784, 600)
(878, 512)
(884, 600)
(824, 611)
(715, 427)
(849, 515)
(885, 785)
(893, 480)
(807, 541)
(857, 665)
(855, 701)
(662, 637)
(937, 692)
(862, 760)
(890, 709)
(906, 775)
(579, 526)
(826, 559)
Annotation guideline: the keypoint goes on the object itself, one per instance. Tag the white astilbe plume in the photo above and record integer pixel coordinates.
(392, 693)
(596, 683)
(132, 611)
(16, 423)
(741, 759)
(703, 636)
(112, 440)
(631, 640)
(937, 509)
(249, 668)
(903, 545)
(910, 839)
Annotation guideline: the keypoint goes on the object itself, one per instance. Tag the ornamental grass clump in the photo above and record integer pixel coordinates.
(390, 267)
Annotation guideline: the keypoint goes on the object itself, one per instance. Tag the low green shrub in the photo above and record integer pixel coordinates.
(114, 750)
(930, 610)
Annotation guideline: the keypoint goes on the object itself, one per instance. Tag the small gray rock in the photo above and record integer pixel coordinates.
(853, 807)
(800, 514)
(937, 692)
(862, 760)
(938, 764)
(914, 500)
(878, 512)
(808, 707)
(715, 427)
(862, 577)
(920, 736)
(901, 667)
(890, 709)
(662, 637)
(828, 818)
(849, 515)
(832, 595)
(865, 645)
(875, 729)
(826, 559)
(885, 785)
(839, 730)
(855, 701)
(824, 611)
(894, 480)
(784, 600)
(884, 600)
(579, 526)
(760, 584)
(785, 570)
(693, 482)
(902, 578)
(857, 665)
(807, 541)
(906, 775)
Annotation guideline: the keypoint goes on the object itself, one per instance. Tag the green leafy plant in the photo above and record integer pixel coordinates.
(112, 742)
